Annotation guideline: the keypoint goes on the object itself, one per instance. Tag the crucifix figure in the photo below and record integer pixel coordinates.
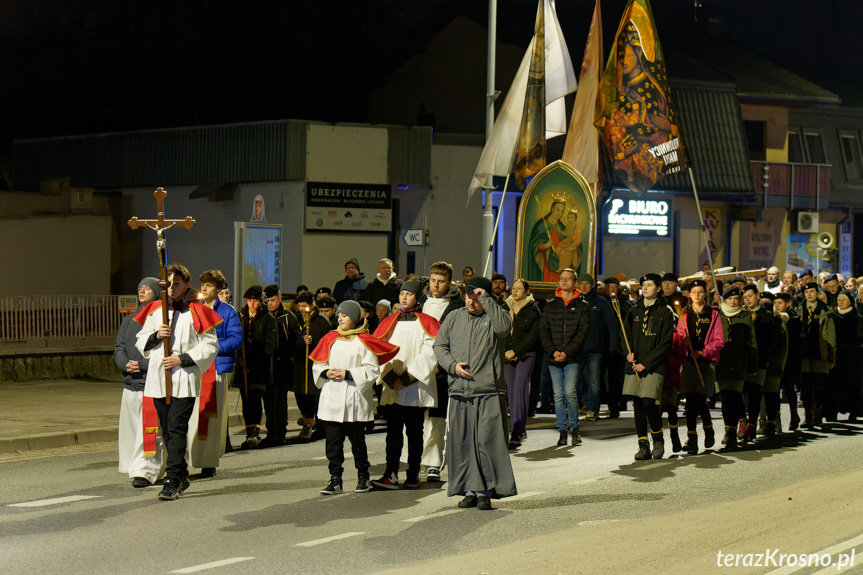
(160, 225)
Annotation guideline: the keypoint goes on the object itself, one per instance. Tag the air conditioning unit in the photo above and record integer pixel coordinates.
(807, 222)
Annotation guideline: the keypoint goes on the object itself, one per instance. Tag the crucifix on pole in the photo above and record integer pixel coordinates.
(160, 225)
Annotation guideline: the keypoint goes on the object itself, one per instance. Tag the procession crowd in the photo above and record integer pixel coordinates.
(456, 368)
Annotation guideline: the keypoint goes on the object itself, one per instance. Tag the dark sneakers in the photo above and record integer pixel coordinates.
(411, 483)
(207, 472)
(390, 481)
(334, 487)
(173, 488)
(363, 485)
(140, 482)
(576, 437)
(483, 502)
(468, 502)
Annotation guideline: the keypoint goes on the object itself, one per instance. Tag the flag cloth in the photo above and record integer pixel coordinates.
(560, 80)
(530, 152)
(581, 150)
(635, 110)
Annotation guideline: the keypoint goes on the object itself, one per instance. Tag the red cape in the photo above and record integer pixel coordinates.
(383, 350)
(203, 318)
(385, 330)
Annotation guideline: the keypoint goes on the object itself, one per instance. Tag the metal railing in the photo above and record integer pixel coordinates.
(56, 317)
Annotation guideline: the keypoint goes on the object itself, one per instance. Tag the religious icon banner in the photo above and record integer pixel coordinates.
(556, 226)
(635, 110)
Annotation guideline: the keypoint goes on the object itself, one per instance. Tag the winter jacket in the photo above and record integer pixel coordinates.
(564, 327)
(650, 330)
(259, 343)
(821, 338)
(777, 359)
(604, 332)
(290, 342)
(766, 334)
(676, 357)
(473, 338)
(319, 326)
(380, 289)
(351, 289)
(713, 342)
(230, 334)
(125, 351)
(524, 338)
(738, 356)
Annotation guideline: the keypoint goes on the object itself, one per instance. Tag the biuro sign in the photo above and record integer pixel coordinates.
(643, 218)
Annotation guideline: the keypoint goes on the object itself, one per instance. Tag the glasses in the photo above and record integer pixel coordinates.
(566, 279)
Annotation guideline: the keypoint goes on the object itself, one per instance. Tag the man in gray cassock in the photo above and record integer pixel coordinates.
(467, 348)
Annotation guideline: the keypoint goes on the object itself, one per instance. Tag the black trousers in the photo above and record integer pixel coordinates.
(307, 404)
(696, 405)
(276, 408)
(355, 431)
(812, 390)
(411, 420)
(174, 421)
(614, 380)
(252, 406)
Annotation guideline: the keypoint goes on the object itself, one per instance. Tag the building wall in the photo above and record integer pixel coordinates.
(56, 255)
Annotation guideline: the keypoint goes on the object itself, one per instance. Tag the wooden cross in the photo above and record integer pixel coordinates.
(159, 226)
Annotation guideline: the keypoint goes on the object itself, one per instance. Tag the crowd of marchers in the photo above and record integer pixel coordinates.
(456, 368)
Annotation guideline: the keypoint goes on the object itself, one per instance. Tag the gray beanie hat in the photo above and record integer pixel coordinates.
(351, 309)
(385, 303)
(153, 284)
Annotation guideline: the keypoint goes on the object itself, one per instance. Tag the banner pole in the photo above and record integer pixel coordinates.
(496, 222)
(703, 230)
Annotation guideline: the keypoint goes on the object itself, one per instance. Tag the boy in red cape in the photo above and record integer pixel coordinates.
(194, 346)
(347, 364)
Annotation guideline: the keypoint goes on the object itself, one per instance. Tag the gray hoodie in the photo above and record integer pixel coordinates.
(465, 337)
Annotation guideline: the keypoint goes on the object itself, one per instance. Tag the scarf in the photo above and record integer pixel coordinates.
(730, 311)
(356, 331)
(413, 309)
(844, 311)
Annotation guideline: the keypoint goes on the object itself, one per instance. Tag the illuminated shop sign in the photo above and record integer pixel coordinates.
(643, 218)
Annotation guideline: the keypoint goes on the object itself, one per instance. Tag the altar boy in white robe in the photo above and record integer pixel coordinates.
(194, 346)
(409, 383)
(347, 364)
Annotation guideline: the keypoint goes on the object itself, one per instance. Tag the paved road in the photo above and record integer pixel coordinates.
(587, 509)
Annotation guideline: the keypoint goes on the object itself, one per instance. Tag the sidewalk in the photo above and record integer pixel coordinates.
(55, 413)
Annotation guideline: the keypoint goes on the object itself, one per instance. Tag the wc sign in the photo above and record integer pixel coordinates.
(642, 218)
(414, 238)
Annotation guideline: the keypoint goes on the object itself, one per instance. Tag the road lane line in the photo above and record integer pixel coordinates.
(655, 465)
(328, 539)
(591, 480)
(221, 563)
(597, 522)
(54, 501)
(431, 515)
(832, 550)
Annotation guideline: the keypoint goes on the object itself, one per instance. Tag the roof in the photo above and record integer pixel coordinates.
(756, 79)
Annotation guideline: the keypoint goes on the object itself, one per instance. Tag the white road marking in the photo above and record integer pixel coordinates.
(54, 501)
(431, 515)
(829, 551)
(328, 539)
(597, 522)
(221, 563)
(591, 480)
(655, 465)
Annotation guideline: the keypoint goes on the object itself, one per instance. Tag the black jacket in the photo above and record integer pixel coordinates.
(563, 327)
(766, 335)
(319, 326)
(524, 338)
(376, 291)
(350, 289)
(260, 341)
(650, 331)
(290, 341)
(604, 334)
(125, 351)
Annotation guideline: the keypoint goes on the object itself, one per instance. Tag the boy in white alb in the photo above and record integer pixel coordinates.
(409, 383)
(194, 346)
(347, 364)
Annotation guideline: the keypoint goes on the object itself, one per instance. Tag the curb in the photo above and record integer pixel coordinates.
(57, 439)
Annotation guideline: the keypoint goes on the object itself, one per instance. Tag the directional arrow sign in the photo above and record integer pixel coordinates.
(413, 238)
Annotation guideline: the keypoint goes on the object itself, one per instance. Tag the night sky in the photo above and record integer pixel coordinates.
(89, 66)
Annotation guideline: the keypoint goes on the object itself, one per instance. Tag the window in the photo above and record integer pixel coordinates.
(814, 147)
(850, 146)
(795, 148)
(754, 131)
